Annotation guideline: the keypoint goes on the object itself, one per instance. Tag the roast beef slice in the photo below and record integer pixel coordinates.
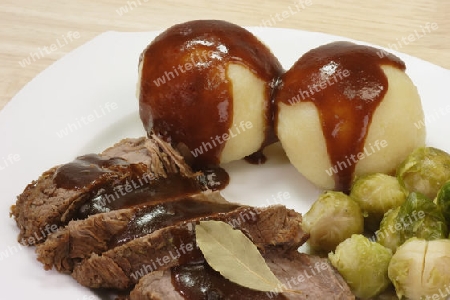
(313, 277)
(154, 152)
(309, 276)
(81, 238)
(43, 204)
(266, 227)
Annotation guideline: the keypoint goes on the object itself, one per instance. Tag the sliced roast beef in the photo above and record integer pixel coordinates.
(100, 232)
(310, 277)
(81, 238)
(117, 174)
(122, 266)
(153, 152)
(128, 215)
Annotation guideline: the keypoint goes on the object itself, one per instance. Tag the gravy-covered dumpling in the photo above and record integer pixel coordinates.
(345, 110)
(207, 84)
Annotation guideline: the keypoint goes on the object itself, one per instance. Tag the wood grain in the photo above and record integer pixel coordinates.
(30, 27)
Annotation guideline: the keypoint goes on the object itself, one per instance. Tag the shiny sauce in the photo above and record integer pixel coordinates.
(200, 282)
(113, 183)
(135, 193)
(214, 178)
(185, 94)
(89, 169)
(346, 84)
(151, 218)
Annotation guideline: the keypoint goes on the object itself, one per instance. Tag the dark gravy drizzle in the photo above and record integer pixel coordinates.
(200, 282)
(191, 57)
(151, 218)
(346, 102)
(213, 177)
(109, 191)
(256, 158)
(90, 169)
(133, 194)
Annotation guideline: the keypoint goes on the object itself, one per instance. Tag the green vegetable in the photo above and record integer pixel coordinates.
(422, 218)
(420, 269)
(389, 233)
(425, 170)
(443, 201)
(376, 194)
(417, 217)
(363, 264)
(333, 217)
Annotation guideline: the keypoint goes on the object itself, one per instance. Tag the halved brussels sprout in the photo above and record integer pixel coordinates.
(332, 218)
(425, 170)
(363, 264)
(420, 269)
(376, 194)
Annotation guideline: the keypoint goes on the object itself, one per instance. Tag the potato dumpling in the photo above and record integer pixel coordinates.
(208, 85)
(344, 111)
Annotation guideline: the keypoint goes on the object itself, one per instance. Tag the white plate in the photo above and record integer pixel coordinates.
(78, 89)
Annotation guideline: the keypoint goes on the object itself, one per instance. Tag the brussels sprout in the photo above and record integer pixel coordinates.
(431, 226)
(363, 264)
(425, 170)
(332, 218)
(443, 201)
(417, 217)
(389, 233)
(376, 194)
(420, 269)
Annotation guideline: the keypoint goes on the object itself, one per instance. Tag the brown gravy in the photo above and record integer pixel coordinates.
(132, 194)
(346, 84)
(86, 170)
(151, 218)
(200, 282)
(102, 177)
(214, 178)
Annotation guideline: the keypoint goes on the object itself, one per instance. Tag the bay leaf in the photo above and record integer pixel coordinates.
(234, 255)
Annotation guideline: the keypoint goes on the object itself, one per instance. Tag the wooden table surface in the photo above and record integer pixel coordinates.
(420, 28)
